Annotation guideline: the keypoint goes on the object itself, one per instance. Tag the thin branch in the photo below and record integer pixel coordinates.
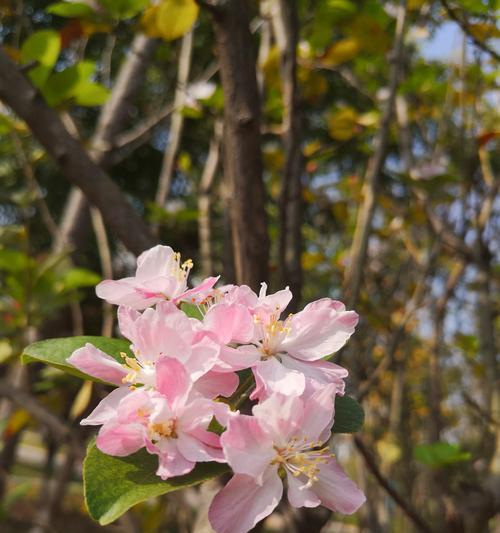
(75, 163)
(403, 504)
(106, 267)
(177, 121)
(36, 409)
(205, 199)
(359, 248)
(466, 28)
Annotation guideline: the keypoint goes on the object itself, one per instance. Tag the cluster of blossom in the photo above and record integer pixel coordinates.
(185, 368)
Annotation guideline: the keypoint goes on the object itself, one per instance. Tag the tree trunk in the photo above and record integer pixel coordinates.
(242, 150)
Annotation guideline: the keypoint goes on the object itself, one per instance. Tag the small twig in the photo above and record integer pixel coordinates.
(404, 505)
(106, 266)
(466, 28)
(177, 122)
(40, 413)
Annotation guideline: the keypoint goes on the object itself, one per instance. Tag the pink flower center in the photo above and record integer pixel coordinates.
(302, 457)
(163, 430)
(274, 332)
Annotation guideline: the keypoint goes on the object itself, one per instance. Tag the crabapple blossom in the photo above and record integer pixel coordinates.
(168, 393)
(160, 276)
(285, 438)
(170, 420)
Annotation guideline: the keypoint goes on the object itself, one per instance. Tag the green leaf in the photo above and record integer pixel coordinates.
(191, 310)
(54, 352)
(64, 85)
(91, 94)
(14, 261)
(75, 278)
(440, 454)
(349, 415)
(114, 484)
(123, 9)
(44, 47)
(69, 10)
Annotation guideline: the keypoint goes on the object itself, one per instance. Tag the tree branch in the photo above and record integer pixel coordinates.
(177, 121)
(403, 504)
(359, 248)
(112, 121)
(286, 31)
(75, 163)
(465, 27)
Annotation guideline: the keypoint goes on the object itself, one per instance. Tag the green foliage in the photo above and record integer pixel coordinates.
(349, 415)
(42, 47)
(123, 9)
(440, 454)
(55, 352)
(73, 85)
(192, 311)
(114, 484)
(69, 10)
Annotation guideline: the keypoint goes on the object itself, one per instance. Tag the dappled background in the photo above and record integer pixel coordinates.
(344, 148)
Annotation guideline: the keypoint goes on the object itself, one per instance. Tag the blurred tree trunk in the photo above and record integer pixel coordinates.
(242, 151)
(286, 31)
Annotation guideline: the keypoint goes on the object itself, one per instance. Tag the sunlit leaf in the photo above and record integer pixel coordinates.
(440, 454)
(69, 9)
(115, 484)
(170, 19)
(123, 9)
(43, 47)
(55, 352)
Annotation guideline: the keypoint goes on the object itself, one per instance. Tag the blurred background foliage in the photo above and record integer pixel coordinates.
(424, 359)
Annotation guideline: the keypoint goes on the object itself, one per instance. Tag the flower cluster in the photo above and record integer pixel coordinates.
(186, 373)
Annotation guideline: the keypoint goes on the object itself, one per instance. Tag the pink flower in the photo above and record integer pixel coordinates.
(171, 421)
(285, 436)
(290, 351)
(163, 331)
(160, 276)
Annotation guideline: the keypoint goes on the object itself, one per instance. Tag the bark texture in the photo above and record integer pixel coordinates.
(242, 151)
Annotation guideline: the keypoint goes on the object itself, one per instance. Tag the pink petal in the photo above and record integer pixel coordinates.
(318, 333)
(321, 371)
(155, 262)
(204, 355)
(92, 361)
(325, 303)
(277, 301)
(135, 406)
(120, 439)
(271, 376)
(127, 318)
(230, 323)
(106, 410)
(318, 413)
(195, 450)
(298, 494)
(172, 380)
(123, 292)
(173, 464)
(199, 292)
(243, 502)
(336, 491)
(248, 449)
(281, 416)
(215, 384)
(234, 359)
